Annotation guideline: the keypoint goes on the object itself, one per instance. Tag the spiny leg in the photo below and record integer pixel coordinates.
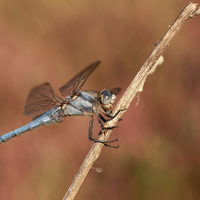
(113, 116)
(100, 118)
(111, 146)
(101, 141)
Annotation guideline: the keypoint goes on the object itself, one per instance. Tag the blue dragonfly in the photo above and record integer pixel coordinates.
(46, 108)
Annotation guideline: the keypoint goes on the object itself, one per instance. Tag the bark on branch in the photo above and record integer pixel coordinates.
(155, 58)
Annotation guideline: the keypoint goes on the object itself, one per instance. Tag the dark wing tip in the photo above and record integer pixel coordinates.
(98, 62)
(116, 91)
(91, 67)
(95, 64)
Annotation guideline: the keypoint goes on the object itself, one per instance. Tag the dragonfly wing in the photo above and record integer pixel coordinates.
(115, 91)
(40, 99)
(76, 83)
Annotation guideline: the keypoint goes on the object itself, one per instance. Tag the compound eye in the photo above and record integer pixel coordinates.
(105, 97)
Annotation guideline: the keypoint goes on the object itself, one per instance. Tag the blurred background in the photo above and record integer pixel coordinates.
(51, 41)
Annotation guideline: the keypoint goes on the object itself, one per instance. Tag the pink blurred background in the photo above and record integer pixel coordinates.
(51, 41)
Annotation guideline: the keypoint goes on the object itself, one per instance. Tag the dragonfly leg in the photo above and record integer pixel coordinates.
(100, 141)
(111, 146)
(113, 116)
(100, 118)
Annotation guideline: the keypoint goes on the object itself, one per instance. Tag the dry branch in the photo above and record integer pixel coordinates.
(154, 59)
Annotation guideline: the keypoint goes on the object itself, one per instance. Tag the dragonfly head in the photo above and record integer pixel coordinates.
(107, 99)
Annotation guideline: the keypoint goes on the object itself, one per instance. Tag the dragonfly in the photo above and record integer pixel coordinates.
(45, 108)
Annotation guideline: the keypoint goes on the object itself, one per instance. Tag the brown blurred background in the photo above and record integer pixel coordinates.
(159, 154)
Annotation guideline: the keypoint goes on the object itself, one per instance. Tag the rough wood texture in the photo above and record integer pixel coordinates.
(154, 59)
